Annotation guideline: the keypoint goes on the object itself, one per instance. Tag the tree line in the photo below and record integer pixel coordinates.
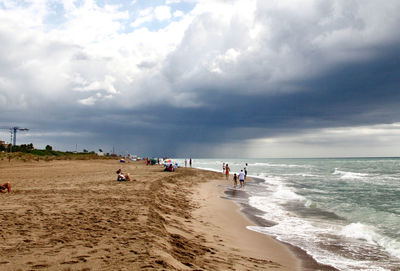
(29, 148)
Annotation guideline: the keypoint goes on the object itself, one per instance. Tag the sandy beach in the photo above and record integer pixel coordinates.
(74, 215)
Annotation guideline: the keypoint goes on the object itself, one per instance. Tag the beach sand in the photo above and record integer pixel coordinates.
(74, 215)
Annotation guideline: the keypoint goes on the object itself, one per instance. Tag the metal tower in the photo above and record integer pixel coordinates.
(13, 131)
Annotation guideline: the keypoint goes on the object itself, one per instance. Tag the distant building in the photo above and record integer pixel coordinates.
(3, 144)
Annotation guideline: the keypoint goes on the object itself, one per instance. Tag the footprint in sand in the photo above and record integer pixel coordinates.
(39, 266)
(70, 262)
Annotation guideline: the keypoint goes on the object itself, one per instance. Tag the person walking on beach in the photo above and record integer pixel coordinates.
(234, 180)
(245, 171)
(5, 186)
(241, 178)
(223, 167)
(190, 162)
(227, 169)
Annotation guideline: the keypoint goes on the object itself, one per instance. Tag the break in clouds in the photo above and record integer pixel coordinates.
(202, 78)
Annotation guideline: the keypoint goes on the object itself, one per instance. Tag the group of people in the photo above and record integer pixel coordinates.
(190, 162)
(242, 175)
(151, 161)
(169, 167)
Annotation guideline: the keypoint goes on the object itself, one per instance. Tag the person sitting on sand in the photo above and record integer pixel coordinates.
(121, 177)
(169, 167)
(5, 186)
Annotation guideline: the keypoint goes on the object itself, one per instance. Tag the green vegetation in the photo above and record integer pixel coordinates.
(29, 153)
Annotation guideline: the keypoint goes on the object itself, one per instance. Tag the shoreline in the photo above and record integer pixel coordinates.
(252, 214)
(226, 216)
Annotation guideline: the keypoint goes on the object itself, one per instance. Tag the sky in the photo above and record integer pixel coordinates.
(203, 78)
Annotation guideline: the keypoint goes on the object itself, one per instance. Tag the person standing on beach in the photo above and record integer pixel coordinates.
(185, 163)
(234, 180)
(227, 169)
(245, 171)
(190, 162)
(223, 167)
(241, 178)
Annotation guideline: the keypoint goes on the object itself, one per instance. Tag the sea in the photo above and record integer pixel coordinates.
(343, 212)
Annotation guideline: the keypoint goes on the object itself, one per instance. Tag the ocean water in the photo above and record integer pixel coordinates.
(343, 212)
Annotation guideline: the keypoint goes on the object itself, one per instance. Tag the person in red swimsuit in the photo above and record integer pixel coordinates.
(227, 169)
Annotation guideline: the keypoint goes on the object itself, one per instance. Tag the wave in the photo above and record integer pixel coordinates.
(360, 231)
(287, 195)
(208, 169)
(302, 174)
(369, 234)
(347, 175)
(280, 165)
(271, 179)
(331, 204)
(315, 238)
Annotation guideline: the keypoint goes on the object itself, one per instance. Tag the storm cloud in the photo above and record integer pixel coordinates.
(216, 79)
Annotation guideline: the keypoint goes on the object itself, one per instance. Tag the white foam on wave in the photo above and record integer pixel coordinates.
(285, 194)
(307, 234)
(310, 204)
(369, 234)
(279, 165)
(264, 204)
(281, 192)
(274, 180)
(304, 234)
(346, 175)
(208, 169)
(302, 174)
(359, 231)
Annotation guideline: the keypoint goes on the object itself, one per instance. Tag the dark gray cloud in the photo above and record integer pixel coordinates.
(268, 72)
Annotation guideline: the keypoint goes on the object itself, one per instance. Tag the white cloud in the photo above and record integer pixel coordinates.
(226, 59)
(268, 41)
(162, 13)
(178, 13)
(88, 101)
(141, 20)
(106, 85)
(145, 16)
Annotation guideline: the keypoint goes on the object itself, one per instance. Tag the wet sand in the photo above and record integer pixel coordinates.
(74, 215)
